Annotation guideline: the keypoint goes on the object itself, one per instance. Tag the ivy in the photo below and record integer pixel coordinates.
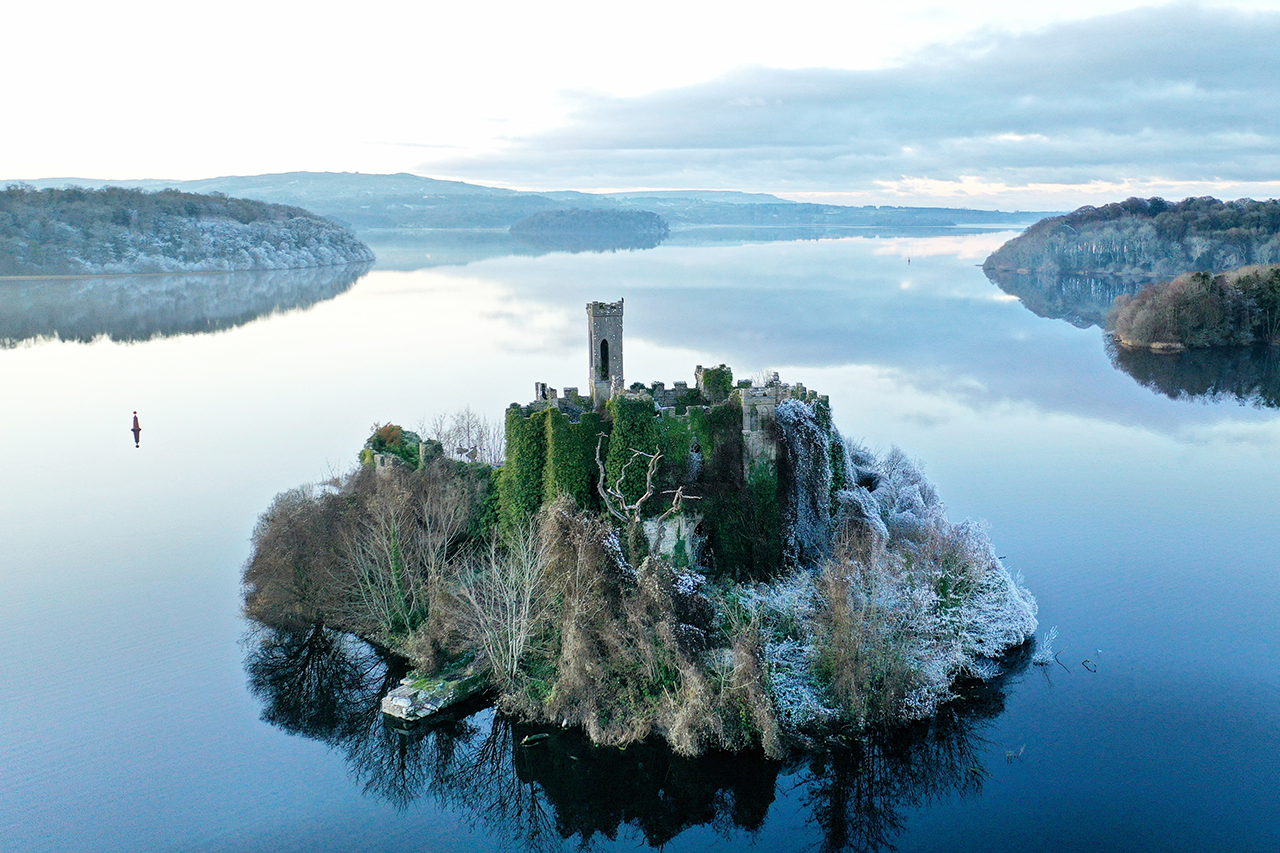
(634, 428)
(716, 383)
(571, 458)
(520, 485)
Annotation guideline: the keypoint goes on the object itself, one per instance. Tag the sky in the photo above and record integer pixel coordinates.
(1002, 104)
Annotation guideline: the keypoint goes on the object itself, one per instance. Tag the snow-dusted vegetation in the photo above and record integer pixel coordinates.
(876, 610)
(906, 603)
(75, 231)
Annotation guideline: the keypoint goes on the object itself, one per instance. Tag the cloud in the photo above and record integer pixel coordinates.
(1163, 96)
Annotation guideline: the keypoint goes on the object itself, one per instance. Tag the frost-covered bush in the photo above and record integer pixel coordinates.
(906, 603)
(805, 489)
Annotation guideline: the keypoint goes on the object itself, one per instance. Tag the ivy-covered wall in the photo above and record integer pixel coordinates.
(634, 428)
(571, 458)
(716, 383)
(520, 484)
(741, 511)
(835, 446)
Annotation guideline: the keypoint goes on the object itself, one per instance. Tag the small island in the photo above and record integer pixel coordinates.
(591, 230)
(113, 231)
(1237, 308)
(710, 564)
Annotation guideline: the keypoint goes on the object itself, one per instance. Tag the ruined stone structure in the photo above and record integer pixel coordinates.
(720, 444)
(604, 338)
(604, 342)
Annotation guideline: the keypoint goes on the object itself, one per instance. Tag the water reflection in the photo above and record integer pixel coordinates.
(603, 241)
(1081, 300)
(138, 308)
(1248, 375)
(414, 249)
(326, 685)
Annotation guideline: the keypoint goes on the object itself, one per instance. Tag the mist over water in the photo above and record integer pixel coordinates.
(138, 713)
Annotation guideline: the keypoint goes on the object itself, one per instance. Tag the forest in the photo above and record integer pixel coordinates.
(1147, 238)
(113, 230)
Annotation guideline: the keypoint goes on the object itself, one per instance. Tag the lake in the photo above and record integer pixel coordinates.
(140, 711)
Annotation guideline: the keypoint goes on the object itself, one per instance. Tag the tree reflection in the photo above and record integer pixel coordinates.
(857, 791)
(141, 307)
(1249, 375)
(1081, 300)
(543, 787)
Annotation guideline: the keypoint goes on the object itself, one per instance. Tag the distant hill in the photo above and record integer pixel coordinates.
(78, 231)
(1146, 238)
(401, 201)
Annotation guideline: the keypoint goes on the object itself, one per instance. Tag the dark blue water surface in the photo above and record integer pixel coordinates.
(140, 711)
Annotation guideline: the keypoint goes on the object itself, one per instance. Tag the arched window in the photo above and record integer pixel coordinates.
(604, 358)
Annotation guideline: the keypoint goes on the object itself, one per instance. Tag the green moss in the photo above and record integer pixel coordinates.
(716, 383)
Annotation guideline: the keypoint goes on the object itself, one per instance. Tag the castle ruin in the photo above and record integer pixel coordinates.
(721, 442)
(605, 381)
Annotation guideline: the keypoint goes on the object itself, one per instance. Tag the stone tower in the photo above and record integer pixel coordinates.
(604, 333)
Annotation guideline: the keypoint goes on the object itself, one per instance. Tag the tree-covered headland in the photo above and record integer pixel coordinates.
(1149, 238)
(640, 570)
(76, 231)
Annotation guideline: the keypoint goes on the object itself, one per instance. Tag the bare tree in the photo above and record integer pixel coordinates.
(467, 435)
(399, 562)
(385, 596)
(615, 501)
(505, 600)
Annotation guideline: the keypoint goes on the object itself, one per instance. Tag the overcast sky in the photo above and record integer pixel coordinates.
(1005, 103)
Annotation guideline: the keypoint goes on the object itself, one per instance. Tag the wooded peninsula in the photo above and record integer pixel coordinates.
(77, 231)
(1149, 238)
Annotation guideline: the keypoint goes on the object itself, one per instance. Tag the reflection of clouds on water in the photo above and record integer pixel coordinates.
(840, 303)
(326, 686)
(965, 247)
(138, 308)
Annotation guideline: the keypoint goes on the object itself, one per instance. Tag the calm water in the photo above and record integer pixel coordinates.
(138, 711)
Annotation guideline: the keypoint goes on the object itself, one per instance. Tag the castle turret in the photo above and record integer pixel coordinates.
(604, 332)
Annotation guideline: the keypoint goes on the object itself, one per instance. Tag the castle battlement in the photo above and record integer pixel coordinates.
(723, 446)
(712, 386)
